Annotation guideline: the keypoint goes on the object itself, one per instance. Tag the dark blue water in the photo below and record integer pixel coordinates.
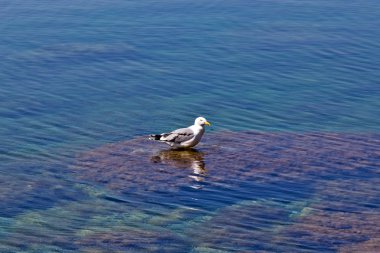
(75, 76)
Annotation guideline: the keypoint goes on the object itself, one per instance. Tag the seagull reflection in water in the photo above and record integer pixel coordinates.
(184, 159)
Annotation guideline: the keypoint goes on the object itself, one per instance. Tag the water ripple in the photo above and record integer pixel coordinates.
(78, 79)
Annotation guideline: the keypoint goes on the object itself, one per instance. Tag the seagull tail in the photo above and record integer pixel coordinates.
(155, 137)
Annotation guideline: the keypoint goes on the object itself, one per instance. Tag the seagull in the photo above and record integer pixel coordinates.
(184, 137)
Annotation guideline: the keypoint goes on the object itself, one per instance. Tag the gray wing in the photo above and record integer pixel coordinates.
(178, 136)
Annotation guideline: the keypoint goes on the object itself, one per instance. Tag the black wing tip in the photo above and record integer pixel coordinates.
(155, 137)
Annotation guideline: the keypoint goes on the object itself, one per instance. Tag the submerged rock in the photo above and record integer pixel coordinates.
(133, 240)
(93, 225)
(141, 165)
(326, 186)
(345, 215)
(244, 227)
(32, 186)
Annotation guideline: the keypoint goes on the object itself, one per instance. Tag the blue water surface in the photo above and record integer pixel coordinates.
(76, 75)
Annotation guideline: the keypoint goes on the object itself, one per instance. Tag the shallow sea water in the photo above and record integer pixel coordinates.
(290, 164)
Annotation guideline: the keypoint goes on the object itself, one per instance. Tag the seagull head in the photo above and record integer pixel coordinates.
(200, 121)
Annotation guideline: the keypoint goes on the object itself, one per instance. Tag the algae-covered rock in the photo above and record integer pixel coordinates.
(134, 240)
(345, 215)
(136, 165)
(244, 227)
(141, 165)
(324, 188)
(369, 246)
(93, 225)
(247, 191)
(32, 186)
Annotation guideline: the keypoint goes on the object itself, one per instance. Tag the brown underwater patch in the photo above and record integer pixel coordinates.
(139, 164)
(343, 213)
(131, 240)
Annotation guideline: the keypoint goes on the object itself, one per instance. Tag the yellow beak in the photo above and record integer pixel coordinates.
(207, 123)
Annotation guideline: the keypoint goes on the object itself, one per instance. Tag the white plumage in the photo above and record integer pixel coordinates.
(184, 137)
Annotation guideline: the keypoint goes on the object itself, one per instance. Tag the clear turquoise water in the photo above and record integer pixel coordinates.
(78, 75)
